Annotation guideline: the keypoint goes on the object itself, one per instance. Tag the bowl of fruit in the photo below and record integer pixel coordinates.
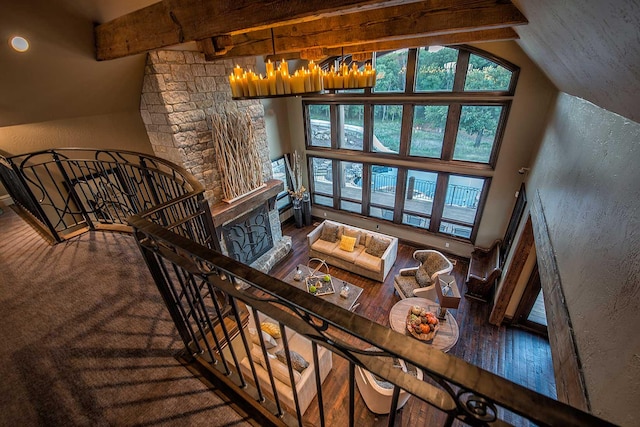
(422, 324)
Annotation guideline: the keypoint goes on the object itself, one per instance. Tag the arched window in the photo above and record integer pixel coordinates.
(434, 118)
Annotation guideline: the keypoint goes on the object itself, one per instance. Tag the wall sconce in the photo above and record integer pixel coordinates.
(279, 82)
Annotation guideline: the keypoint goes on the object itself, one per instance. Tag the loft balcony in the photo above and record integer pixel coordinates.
(96, 319)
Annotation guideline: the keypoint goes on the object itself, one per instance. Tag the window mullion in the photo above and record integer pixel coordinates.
(368, 128)
(438, 201)
(405, 130)
(337, 125)
(461, 71)
(366, 188)
(451, 131)
(400, 195)
(411, 71)
(337, 194)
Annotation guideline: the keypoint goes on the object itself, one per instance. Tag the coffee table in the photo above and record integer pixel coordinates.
(448, 333)
(335, 298)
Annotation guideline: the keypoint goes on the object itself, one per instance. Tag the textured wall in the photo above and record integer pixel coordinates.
(588, 176)
(180, 93)
(588, 48)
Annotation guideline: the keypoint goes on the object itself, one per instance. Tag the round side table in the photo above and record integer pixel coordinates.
(448, 333)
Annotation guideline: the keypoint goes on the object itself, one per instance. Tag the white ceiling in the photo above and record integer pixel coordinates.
(588, 48)
(59, 77)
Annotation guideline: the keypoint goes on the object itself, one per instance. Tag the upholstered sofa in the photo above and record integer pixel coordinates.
(363, 252)
(305, 380)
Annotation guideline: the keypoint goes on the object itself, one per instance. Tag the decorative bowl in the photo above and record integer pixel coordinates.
(416, 318)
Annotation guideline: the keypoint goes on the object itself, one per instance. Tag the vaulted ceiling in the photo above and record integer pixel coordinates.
(588, 48)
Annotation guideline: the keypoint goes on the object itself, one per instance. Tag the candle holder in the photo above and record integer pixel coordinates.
(344, 291)
(279, 82)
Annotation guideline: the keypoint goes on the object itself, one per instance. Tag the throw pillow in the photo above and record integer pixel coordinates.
(329, 232)
(269, 341)
(279, 371)
(347, 243)
(377, 246)
(297, 361)
(409, 272)
(270, 328)
(422, 277)
(353, 233)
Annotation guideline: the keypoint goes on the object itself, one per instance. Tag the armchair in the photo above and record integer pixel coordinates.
(420, 281)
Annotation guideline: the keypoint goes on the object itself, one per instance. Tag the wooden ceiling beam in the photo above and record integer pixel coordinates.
(417, 20)
(172, 22)
(500, 34)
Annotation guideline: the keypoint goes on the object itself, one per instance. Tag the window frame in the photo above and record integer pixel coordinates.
(399, 208)
(287, 184)
(444, 166)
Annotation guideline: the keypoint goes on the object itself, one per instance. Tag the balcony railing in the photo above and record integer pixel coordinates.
(70, 191)
(209, 297)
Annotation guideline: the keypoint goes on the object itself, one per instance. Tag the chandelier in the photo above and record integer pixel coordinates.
(280, 82)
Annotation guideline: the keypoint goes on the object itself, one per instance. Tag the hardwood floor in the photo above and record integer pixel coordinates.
(517, 355)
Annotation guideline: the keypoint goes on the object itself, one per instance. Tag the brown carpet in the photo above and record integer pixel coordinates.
(86, 340)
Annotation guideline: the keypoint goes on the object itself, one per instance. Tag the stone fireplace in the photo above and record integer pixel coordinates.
(248, 237)
(180, 93)
(249, 229)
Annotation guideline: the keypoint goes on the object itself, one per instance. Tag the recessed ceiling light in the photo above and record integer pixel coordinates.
(20, 44)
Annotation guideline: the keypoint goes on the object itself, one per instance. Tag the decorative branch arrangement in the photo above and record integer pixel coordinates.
(296, 176)
(236, 154)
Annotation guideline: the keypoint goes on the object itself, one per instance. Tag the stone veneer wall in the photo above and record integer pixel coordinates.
(180, 93)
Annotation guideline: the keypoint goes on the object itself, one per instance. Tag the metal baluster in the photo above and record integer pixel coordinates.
(352, 394)
(316, 363)
(265, 355)
(294, 389)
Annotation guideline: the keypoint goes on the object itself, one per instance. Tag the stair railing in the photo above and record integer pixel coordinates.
(209, 297)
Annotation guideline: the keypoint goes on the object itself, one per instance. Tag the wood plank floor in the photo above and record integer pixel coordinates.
(517, 355)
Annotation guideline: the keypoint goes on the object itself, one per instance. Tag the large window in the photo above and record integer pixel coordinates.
(372, 190)
(279, 169)
(427, 136)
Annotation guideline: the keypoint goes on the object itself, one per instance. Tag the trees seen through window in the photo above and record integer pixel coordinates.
(433, 105)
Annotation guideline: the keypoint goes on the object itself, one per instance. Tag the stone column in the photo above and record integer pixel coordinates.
(180, 93)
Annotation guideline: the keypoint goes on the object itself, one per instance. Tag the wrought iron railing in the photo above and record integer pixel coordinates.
(192, 278)
(68, 191)
(209, 296)
(457, 195)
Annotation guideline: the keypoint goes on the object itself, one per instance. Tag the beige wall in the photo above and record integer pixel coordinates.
(588, 181)
(276, 119)
(522, 137)
(123, 131)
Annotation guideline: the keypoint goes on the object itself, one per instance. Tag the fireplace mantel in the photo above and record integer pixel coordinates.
(222, 213)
